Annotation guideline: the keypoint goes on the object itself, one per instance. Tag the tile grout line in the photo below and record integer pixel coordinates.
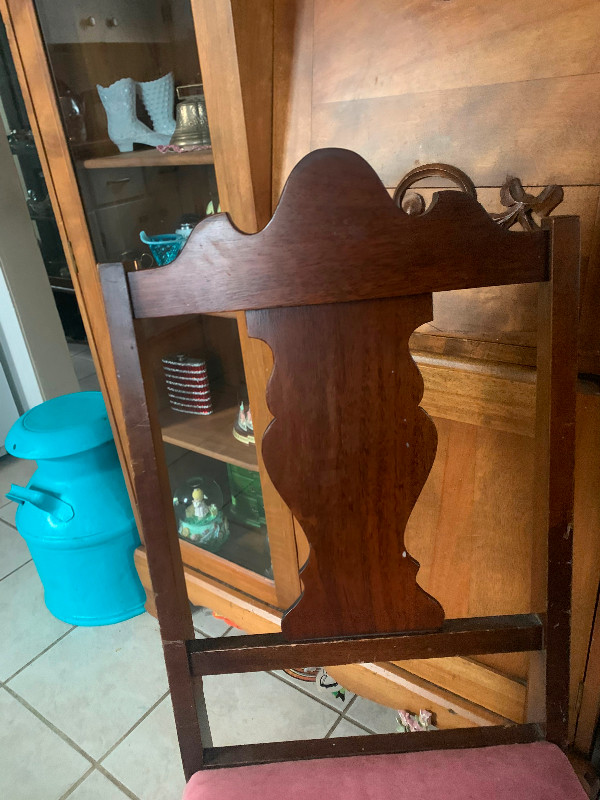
(10, 524)
(125, 789)
(115, 781)
(333, 727)
(61, 734)
(147, 713)
(41, 653)
(208, 636)
(77, 783)
(353, 721)
(308, 694)
(360, 725)
(94, 763)
(349, 706)
(17, 569)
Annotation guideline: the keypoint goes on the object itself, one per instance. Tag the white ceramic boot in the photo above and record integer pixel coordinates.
(159, 98)
(124, 128)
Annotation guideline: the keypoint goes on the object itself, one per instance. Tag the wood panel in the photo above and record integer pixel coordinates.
(590, 695)
(471, 528)
(149, 158)
(389, 131)
(236, 69)
(586, 569)
(253, 27)
(404, 85)
(589, 341)
(292, 88)
(475, 682)
(208, 435)
(494, 396)
(398, 48)
(508, 314)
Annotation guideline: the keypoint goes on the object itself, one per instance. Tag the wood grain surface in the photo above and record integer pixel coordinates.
(362, 449)
(456, 637)
(238, 755)
(371, 249)
(497, 91)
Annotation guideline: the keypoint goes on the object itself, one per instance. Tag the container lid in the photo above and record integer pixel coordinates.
(183, 360)
(60, 427)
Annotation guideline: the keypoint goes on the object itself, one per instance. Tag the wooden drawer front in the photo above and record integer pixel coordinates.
(115, 185)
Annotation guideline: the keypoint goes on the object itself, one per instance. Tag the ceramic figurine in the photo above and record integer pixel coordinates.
(159, 98)
(243, 429)
(124, 128)
(200, 508)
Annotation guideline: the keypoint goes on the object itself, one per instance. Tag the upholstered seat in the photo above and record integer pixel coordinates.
(537, 771)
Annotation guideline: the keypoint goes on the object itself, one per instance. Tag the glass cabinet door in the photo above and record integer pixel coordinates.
(119, 70)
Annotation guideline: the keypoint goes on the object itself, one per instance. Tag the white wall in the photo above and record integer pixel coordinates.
(33, 350)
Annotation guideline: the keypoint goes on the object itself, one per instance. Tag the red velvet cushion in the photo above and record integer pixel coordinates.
(538, 771)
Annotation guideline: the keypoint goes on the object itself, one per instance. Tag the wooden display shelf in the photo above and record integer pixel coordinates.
(150, 158)
(211, 435)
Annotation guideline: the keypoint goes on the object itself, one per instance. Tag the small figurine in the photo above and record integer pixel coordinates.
(243, 430)
(197, 506)
(412, 723)
(200, 508)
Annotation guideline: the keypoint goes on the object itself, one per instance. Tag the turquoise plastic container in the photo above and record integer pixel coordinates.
(75, 513)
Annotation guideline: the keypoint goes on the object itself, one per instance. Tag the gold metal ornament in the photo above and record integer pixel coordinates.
(191, 123)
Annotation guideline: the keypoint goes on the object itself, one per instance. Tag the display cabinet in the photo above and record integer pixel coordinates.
(97, 60)
(280, 79)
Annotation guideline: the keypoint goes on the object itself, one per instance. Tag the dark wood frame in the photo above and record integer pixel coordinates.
(318, 251)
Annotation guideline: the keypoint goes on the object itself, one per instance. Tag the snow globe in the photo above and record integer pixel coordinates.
(198, 506)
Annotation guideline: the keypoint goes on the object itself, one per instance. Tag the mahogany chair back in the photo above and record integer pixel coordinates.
(335, 285)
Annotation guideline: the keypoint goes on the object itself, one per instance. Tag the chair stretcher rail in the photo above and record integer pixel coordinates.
(248, 754)
(458, 637)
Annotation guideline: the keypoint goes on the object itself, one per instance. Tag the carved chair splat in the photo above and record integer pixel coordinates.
(335, 284)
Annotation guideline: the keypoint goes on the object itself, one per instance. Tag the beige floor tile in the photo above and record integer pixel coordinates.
(13, 550)
(236, 632)
(90, 383)
(346, 728)
(14, 470)
(97, 787)
(209, 625)
(257, 707)
(83, 365)
(8, 512)
(25, 621)
(35, 763)
(148, 760)
(97, 682)
(324, 695)
(379, 719)
(77, 347)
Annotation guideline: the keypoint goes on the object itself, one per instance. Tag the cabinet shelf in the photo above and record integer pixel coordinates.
(150, 158)
(211, 435)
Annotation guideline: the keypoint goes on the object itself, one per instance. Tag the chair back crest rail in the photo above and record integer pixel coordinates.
(335, 284)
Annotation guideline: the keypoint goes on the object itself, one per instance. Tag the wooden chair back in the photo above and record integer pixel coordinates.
(335, 285)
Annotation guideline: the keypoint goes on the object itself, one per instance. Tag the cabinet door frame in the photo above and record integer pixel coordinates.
(231, 146)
